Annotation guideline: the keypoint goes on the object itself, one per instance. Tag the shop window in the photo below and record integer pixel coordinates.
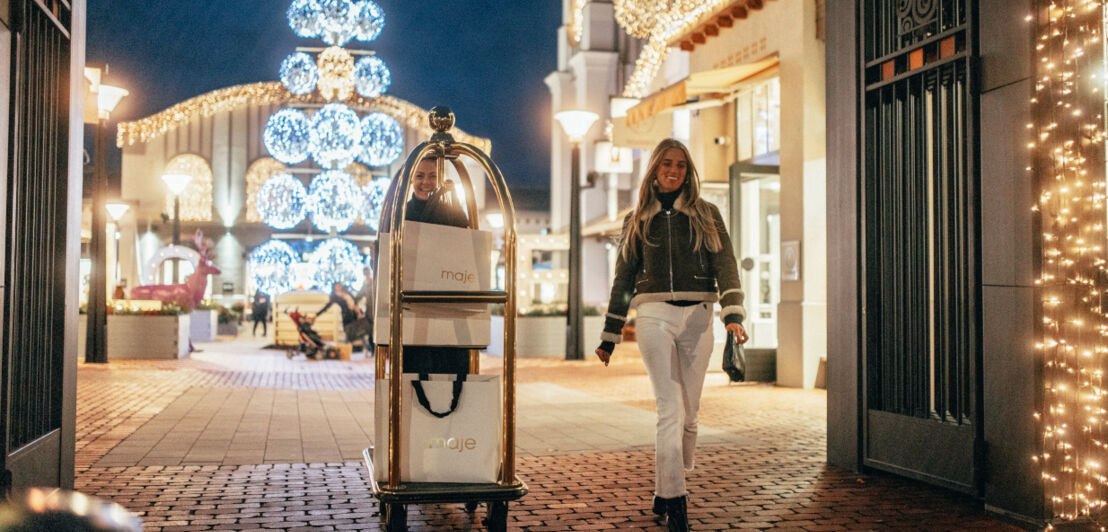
(758, 123)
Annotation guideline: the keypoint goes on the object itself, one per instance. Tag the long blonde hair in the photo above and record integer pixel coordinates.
(703, 224)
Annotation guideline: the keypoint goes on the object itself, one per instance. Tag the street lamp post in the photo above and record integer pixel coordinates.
(116, 210)
(176, 184)
(575, 124)
(96, 338)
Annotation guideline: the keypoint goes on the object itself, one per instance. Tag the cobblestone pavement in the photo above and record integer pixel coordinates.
(237, 438)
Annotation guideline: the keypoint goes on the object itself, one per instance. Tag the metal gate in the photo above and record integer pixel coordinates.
(920, 241)
(33, 254)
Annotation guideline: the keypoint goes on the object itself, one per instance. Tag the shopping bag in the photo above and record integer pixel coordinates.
(734, 359)
(437, 258)
(449, 428)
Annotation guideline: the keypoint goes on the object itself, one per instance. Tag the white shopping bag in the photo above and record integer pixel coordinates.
(437, 258)
(461, 446)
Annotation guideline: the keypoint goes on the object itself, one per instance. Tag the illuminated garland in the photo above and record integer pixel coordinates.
(661, 21)
(274, 93)
(576, 22)
(1069, 166)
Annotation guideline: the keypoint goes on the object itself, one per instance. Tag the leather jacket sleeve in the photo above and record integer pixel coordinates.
(727, 275)
(623, 289)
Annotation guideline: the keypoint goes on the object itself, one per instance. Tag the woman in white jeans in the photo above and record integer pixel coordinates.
(675, 262)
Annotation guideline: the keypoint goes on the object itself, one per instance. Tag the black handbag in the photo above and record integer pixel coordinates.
(734, 359)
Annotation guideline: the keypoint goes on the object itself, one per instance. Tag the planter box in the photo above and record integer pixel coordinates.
(543, 336)
(228, 329)
(142, 337)
(203, 325)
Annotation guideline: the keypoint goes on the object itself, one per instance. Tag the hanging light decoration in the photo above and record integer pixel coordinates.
(334, 201)
(336, 260)
(281, 201)
(299, 73)
(338, 21)
(271, 267)
(371, 76)
(373, 194)
(287, 136)
(305, 18)
(369, 21)
(382, 139)
(336, 136)
(335, 68)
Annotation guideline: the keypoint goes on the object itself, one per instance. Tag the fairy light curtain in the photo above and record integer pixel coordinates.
(1069, 166)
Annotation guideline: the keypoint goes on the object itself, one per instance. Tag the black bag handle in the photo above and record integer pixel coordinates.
(421, 396)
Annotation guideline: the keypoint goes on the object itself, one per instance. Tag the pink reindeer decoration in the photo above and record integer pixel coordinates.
(189, 293)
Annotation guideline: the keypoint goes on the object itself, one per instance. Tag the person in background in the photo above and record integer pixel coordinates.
(675, 261)
(352, 317)
(259, 312)
(365, 295)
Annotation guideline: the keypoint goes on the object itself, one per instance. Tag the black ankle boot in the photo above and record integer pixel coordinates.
(659, 507)
(677, 514)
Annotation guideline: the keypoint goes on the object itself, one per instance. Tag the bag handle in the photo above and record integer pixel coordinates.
(421, 396)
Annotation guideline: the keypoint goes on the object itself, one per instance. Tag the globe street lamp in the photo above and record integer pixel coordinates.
(575, 124)
(107, 98)
(116, 210)
(176, 184)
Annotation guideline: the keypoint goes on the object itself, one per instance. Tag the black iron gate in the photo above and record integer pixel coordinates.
(33, 255)
(920, 244)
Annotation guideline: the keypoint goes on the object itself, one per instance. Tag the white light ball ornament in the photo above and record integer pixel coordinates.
(281, 201)
(305, 18)
(336, 136)
(374, 197)
(371, 77)
(368, 21)
(336, 260)
(338, 21)
(299, 73)
(334, 201)
(382, 139)
(271, 267)
(287, 136)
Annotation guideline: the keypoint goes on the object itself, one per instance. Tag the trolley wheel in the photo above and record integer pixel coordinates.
(471, 506)
(394, 516)
(497, 520)
(288, 354)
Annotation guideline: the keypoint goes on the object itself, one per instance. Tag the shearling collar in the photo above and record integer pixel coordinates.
(679, 205)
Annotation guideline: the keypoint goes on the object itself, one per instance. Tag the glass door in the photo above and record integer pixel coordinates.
(756, 236)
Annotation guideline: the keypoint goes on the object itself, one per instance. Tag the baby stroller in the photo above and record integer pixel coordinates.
(311, 343)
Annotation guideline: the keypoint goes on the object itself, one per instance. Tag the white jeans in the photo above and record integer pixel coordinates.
(676, 343)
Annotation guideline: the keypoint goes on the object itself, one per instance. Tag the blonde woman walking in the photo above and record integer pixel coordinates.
(675, 261)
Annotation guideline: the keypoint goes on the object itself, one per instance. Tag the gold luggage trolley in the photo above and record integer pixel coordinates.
(394, 495)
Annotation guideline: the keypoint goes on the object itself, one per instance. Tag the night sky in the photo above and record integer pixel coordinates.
(485, 59)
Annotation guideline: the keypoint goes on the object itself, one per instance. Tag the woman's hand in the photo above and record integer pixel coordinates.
(738, 331)
(604, 355)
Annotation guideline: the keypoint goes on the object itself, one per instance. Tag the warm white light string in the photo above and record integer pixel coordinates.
(1068, 149)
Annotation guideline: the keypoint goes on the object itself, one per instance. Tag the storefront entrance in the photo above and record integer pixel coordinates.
(756, 217)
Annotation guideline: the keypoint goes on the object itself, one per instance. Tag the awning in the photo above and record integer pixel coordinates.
(697, 88)
(606, 227)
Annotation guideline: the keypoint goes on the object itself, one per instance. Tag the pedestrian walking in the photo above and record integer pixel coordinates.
(259, 312)
(365, 296)
(675, 261)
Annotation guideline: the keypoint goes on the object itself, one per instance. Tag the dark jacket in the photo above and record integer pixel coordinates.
(669, 269)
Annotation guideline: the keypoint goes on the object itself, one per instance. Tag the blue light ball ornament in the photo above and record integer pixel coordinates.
(271, 267)
(305, 18)
(281, 201)
(339, 17)
(382, 139)
(336, 136)
(374, 197)
(371, 77)
(287, 136)
(334, 201)
(368, 21)
(299, 73)
(336, 260)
